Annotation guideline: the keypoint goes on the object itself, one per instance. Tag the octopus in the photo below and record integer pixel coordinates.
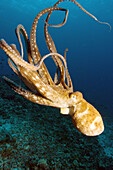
(41, 87)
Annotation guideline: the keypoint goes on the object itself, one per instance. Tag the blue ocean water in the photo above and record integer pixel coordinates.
(89, 43)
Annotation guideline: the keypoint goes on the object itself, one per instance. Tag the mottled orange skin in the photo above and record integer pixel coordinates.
(87, 119)
(84, 116)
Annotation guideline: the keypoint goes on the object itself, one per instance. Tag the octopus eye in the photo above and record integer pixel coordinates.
(73, 96)
(76, 96)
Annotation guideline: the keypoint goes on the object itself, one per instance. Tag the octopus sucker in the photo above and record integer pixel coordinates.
(41, 87)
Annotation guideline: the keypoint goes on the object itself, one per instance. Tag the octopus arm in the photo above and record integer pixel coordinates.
(58, 62)
(13, 46)
(83, 9)
(39, 84)
(56, 59)
(44, 89)
(60, 67)
(27, 83)
(21, 29)
(11, 63)
(13, 67)
(48, 40)
(31, 96)
(15, 57)
(15, 60)
(34, 49)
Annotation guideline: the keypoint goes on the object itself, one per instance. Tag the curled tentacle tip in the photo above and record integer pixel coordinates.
(104, 23)
(108, 25)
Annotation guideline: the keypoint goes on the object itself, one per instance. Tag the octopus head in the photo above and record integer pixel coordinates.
(85, 117)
